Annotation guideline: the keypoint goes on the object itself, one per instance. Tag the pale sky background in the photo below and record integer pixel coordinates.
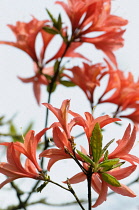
(17, 97)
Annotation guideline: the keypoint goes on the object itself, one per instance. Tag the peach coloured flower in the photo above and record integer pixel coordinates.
(125, 95)
(87, 78)
(26, 37)
(26, 34)
(38, 79)
(108, 42)
(94, 16)
(63, 139)
(29, 146)
(63, 143)
(61, 114)
(13, 168)
(100, 186)
(99, 183)
(89, 122)
(124, 146)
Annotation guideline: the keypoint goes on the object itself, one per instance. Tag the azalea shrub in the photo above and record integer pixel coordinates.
(102, 163)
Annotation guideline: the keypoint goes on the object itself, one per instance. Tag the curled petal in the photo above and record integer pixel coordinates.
(123, 190)
(80, 177)
(121, 173)
(54, 155)
(102, 196)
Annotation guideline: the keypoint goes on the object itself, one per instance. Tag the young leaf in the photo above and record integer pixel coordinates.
(67, 83)
(59, 23)
(13, 131)
(106, 155)
(107, 145)
(96, 143)
(85, 157)
(110, 180)
(50, 30)
(51, 16)
(109, 163)
(118, 165)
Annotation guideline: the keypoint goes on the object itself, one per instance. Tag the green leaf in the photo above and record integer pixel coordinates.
(50, 30)
(107, 145)
(118, 165)
(51, 16)
(13, 129)
(39, 189)
(106, 155)
(108, 164)
(67, 83)
(85, 157)
(110, 180)
(59, 22)
(96, 143)
(1, 120)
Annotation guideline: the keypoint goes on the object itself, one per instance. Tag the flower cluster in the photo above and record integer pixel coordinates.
(13, 168)
(86, 19)
(125, 95)
(104, 169)
(91, 22)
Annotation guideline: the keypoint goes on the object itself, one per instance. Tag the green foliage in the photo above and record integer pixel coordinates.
(85, 157)
(14, 133)
(67, 83)
(56, 23)
(107, 145)
(110, 179)
(109, 164)
(50, 30)
(96, 143)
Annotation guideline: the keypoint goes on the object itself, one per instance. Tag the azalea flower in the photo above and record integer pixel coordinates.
(26, 34)
(61, 114)
(125, 145)
(125, 95)
(39, 79)
(64, 148)
(26, 37)
(105, 168)
(89, 122)
(29, 146)
(100, 186)
(13, 168)
(87, 77)
(63, 138)
(94, 16)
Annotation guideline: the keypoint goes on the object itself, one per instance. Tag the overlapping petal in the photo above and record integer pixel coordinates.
(87, 78)
(13, 168)
(87, 17)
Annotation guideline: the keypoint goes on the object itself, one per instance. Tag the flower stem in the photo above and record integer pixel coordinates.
(74, 194)
(89, 177)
